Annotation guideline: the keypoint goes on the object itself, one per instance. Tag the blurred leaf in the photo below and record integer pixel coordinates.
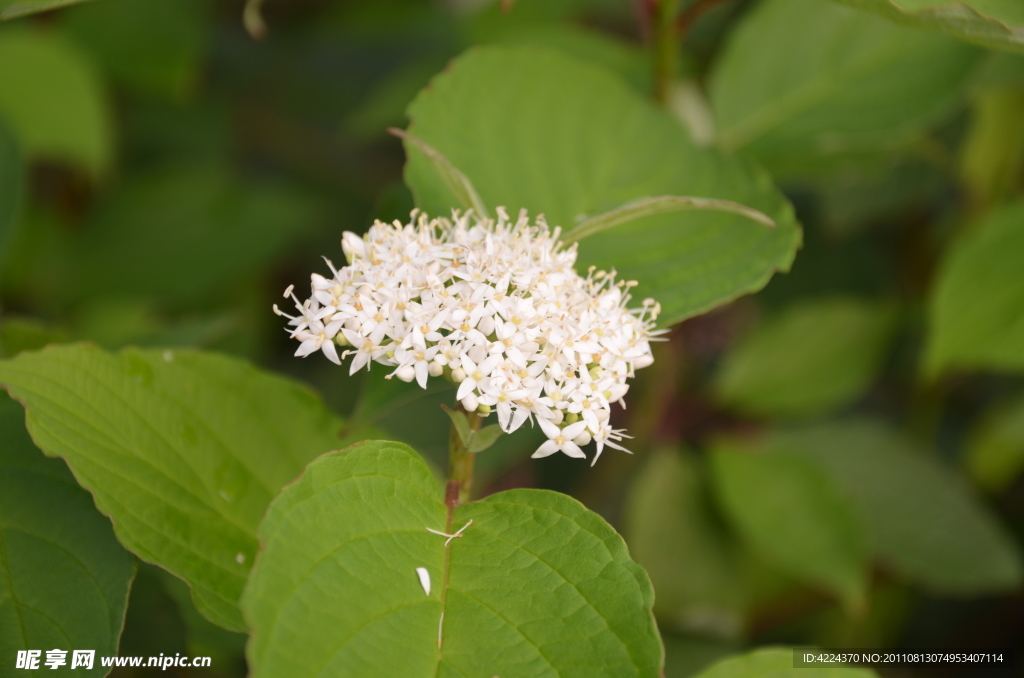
(53, 100)
(155, 47)
(805, 84)
(995, 451)
(887, 614)
(776, 662)
(64, 579)
(794, 514)
(627, 60)
(923, 520)
(999, 70)
(11, 181)
(863, 201)
(336, 580)
(204, 638)
(185, 234)
(10, 9)
(992, 153)
(998, 24)
(384, 106)
(539, 130)
(184, 451)
(116, 323)
(977, 304)
(688, 656)
(814, 357)
(673, 532)
(25, 334)
(153, 624)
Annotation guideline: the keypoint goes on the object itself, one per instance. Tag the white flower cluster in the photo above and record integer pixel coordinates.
(494, 306)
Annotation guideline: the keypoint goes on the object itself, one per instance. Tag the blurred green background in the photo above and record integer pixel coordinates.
(179, 174)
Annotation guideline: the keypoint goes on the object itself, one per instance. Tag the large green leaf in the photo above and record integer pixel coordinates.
(533, 128)
(995, 453)
(793, 513)
(977, 306)
(776, 662)
(183, 450)
(675, 534)
(10, 184)
(53, 99)
(537, 585)
(10, 9)
(814, 357)
(923, 520)
(64, 579)
(803, 84)
(998, 24)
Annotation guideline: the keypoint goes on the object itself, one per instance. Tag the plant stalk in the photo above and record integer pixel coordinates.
(460, 461)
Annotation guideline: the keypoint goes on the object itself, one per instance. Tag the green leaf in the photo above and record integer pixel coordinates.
(977, 305)
(53, 100)
(154, 47)
(458, 184)
(676, 535)
(995, 451)
(11, 180)
(183, 450)
(536, 585)
(460, 423)
(484, 438)
(805, 84)
(182, 234)
(998, 24)
(776, 662)
(814, 357)
(10, 9)
(793, 513)
(923, 520)
(536, 129)
(662, 204)
(64, 579)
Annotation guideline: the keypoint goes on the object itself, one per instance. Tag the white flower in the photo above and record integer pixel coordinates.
(494, 306)
(560, 439)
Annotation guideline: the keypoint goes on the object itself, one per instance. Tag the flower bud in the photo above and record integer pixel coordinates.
(470, 403)
(459, 375)
(436, 369)
(407, 373)
(582, 439)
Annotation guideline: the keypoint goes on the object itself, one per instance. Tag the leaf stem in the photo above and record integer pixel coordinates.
(460, 460)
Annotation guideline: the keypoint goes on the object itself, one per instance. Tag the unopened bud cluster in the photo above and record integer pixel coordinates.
(494, 306)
